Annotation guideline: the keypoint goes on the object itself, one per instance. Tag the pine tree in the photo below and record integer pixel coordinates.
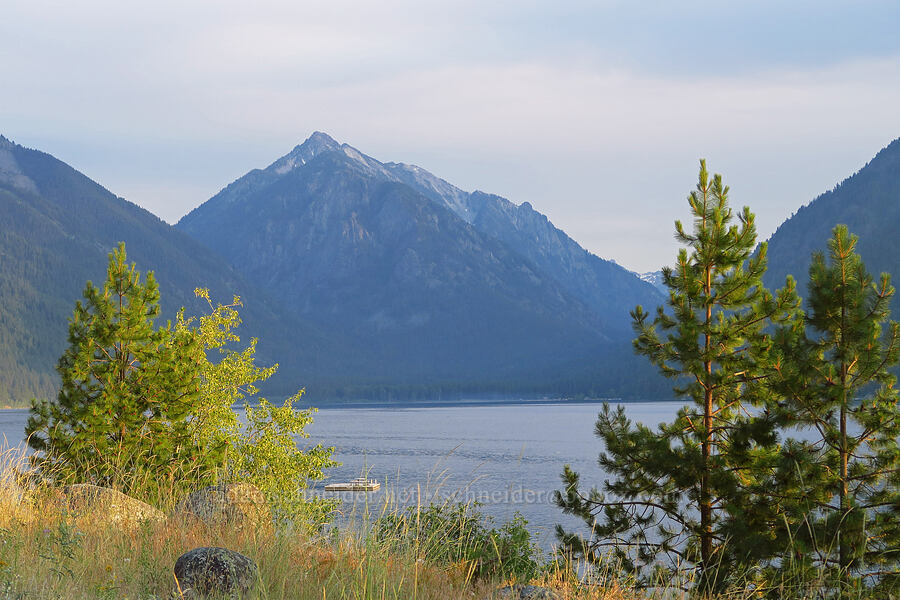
(843, 476)
(120, 417)
(674, 497)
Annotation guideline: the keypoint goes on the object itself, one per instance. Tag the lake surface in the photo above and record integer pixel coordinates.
(506, 455)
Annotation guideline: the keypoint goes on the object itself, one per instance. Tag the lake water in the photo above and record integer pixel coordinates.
(506, 455)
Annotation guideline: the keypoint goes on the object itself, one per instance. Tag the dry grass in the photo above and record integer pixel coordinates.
(44, 554)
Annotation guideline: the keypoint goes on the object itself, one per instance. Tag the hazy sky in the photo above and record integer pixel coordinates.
(595, 112)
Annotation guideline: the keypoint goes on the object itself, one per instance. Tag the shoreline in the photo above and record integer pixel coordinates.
(460, 403)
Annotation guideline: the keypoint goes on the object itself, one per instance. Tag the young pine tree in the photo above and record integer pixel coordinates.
(673, 493)
(843, 476)
(120, 417)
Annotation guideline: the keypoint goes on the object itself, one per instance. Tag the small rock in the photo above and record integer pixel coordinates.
(91, 505)
(215, 571)
(238, 505)
(527, 592)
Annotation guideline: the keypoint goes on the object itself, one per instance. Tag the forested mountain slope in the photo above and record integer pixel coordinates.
(57, 227)
(868, 202)
(356, 282)
(356, 248)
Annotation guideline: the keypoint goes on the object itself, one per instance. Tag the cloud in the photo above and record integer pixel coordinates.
(596, 112)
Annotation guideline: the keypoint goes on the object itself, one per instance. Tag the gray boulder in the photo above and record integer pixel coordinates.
(217, 572)
(527, 592)
(238, 505)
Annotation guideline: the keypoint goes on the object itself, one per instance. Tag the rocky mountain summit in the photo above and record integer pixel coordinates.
(438, 282)
(606, 288)
(360, 278)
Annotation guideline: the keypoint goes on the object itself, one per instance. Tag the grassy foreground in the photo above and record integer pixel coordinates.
(46, 554)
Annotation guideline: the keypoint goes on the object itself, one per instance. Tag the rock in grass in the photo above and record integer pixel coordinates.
(238, 505)
(216, 572)
(95, 505)
(527, 592)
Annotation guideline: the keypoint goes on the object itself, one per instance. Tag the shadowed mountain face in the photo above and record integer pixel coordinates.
(58, 227)
(867, 202)
(439, 284)
(607, 289)
(355, 281)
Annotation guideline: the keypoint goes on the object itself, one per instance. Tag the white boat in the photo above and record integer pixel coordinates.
(360, 484)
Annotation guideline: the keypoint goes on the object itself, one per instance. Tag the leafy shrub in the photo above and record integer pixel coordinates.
(263, 449)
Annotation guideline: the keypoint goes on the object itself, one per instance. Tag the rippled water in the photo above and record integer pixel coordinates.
(508, 456)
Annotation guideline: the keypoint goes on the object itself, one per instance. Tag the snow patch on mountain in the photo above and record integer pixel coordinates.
(655, 279)
(434, 188)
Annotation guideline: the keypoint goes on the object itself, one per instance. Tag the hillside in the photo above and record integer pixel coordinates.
(868, 202)
(607, 289)
(357, 283)
(57, 227)
(357, 248)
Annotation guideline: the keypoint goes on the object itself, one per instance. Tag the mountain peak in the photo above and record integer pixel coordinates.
(322, 143)
(320, 140)
(317, 143)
